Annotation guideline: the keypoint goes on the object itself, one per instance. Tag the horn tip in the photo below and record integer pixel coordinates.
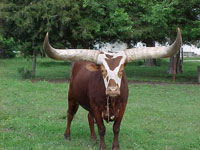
(46, 40)
(47, 35)
(178, 29)
(179, 33)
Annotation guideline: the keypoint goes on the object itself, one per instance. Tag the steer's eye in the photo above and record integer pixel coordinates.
(120, 74)
(104, 73)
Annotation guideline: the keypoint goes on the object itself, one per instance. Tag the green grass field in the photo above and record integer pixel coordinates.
(158, 116)
(48, 69)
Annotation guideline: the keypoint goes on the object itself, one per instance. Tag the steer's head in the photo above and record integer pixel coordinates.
(112, 64)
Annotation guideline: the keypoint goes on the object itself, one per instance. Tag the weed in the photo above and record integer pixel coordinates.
(25, 73)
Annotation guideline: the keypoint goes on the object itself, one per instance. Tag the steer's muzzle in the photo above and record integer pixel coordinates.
(113, 91)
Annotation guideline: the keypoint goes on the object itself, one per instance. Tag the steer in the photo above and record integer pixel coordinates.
(98, 83)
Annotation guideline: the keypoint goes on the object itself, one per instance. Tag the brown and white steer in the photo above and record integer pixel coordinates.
(98, 83)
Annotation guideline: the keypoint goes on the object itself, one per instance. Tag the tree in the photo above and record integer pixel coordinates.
(8, 47)
(70, 23)
(155, 20)
(149, 22)
(79, 24)
(184, 14)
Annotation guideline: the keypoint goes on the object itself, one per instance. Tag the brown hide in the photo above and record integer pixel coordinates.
(88, 90)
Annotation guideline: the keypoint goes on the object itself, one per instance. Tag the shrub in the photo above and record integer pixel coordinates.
(25, 73)
(139, 63)
(8, 47)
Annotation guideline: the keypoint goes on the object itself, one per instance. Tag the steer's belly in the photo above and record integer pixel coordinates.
(87, 107)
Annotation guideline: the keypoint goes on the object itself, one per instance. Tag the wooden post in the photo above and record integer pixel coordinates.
(34, 64)
(198, 74)
(174, 69)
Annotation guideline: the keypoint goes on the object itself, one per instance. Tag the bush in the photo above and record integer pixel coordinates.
(25, 73)
(139, 63)
(8, 47)
(159, 62)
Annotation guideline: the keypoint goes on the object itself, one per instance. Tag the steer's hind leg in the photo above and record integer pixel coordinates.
(91, 124)
(72, 109)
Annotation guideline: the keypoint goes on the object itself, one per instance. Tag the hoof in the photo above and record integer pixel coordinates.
(67, 137)
(116, 148)
(102, 148)
(94, 139)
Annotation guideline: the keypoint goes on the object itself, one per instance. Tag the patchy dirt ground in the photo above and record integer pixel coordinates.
(66, 80)
(60, 80)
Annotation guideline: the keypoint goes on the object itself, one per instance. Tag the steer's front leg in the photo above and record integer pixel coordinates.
(116, 126)
(101, 128)
(116, 129)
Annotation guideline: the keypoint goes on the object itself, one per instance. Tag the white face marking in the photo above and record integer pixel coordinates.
(112, 74)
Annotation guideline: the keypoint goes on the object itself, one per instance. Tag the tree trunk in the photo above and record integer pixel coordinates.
(198, 74)
(179, 62)
(34, 63)
(170, 66)
(150, 62)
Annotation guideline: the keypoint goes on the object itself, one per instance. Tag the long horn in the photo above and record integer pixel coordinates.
(154, 52)
(70, 54)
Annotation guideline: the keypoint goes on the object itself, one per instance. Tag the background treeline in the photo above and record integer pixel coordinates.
(81, 23)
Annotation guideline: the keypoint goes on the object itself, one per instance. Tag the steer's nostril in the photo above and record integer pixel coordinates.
(113, 88)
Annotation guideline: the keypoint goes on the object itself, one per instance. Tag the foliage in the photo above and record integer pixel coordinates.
(8, 47)
(82, 23)
(113, 22)
(72, 23)
(157, 20)
(186, 15)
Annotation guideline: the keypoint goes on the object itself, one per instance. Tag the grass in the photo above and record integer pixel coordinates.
(159, 73)
(33, 115)
(48, 69)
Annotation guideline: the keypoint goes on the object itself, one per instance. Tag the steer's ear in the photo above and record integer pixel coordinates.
(92, 67)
